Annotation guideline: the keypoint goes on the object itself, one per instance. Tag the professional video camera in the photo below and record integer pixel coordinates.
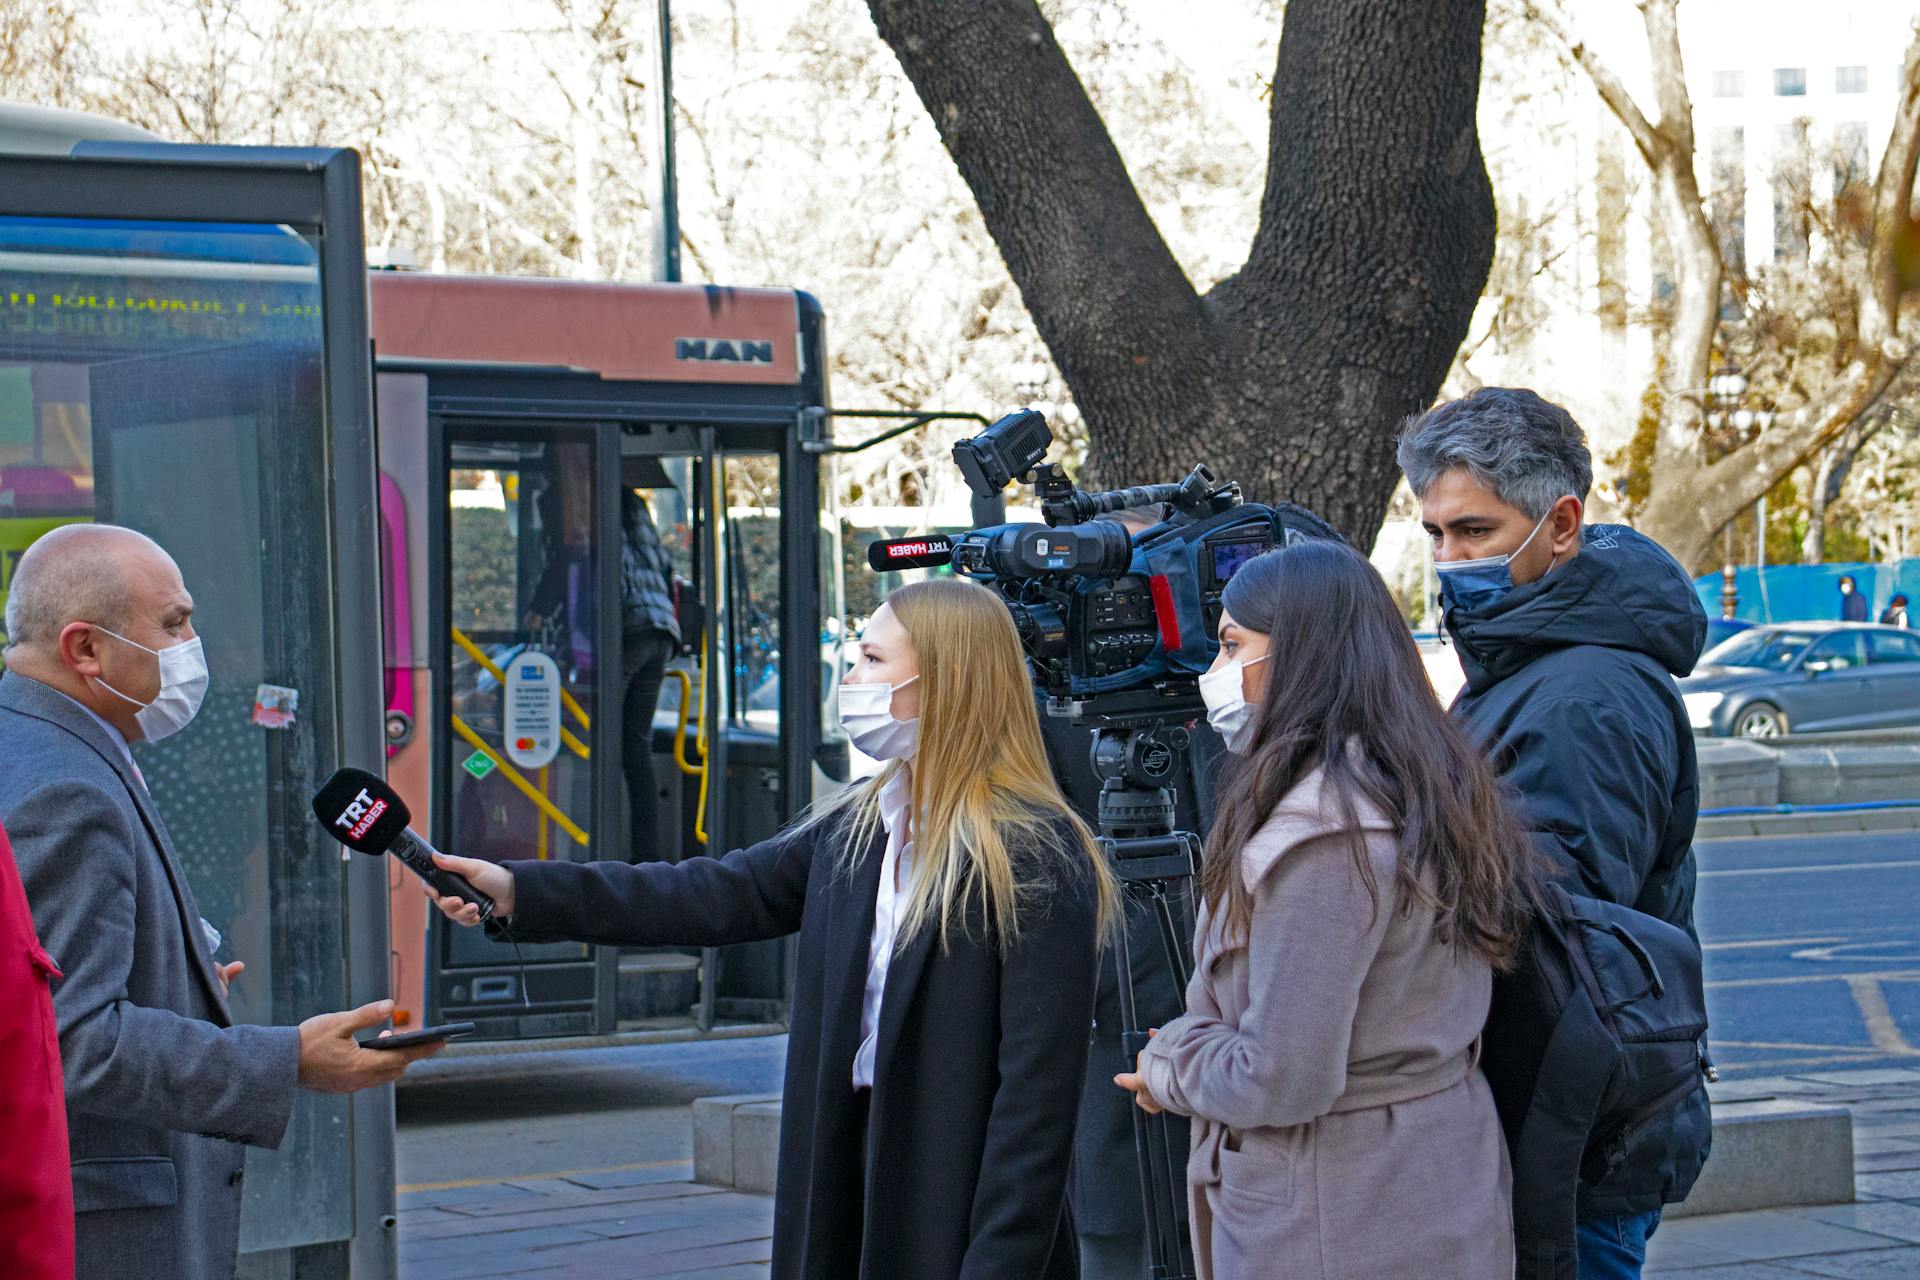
(1118, 628)
(1100, 611)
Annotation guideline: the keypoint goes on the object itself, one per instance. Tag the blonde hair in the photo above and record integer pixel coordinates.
(982, 790)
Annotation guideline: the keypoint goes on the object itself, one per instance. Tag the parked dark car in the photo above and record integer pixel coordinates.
(1806, 677)
(1720, 630)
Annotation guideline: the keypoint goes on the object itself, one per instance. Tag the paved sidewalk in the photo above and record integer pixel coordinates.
(647, 1222)
(1877, 1237)
(652, 1222)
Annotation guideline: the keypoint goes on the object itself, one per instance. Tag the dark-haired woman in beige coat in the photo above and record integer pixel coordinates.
(1362, 880)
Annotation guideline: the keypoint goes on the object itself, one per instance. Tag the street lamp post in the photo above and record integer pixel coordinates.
(1725, 390)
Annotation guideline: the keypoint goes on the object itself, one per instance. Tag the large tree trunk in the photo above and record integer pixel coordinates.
(1375, 235)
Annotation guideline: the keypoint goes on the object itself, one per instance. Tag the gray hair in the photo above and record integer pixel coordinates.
(69, 574)
(1528, 452)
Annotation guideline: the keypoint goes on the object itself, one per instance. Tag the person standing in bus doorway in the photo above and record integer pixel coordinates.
(163, 1091)
(1853, 605)
(650, 635)
(950, 911)
(36, 1184)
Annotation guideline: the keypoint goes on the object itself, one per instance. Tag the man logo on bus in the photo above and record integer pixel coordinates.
(723, 350)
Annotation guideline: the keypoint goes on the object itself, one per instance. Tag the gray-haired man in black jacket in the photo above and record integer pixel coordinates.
(1570, 637)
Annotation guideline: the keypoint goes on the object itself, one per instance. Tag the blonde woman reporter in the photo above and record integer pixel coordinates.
(1362, 880)
(949, 912)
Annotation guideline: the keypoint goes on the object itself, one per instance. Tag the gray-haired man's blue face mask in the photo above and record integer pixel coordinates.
(1473, 585)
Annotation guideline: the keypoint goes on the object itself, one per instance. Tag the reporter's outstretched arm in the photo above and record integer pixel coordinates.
(748, 895)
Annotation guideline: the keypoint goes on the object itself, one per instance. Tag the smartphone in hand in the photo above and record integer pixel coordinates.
(425, 1035)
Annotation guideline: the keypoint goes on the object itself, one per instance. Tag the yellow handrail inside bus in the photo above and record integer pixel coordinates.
(492, 668)
(687, 684)
(699, 810)
(541, 838)
(527, 789)
(680, 749)
(680, 730)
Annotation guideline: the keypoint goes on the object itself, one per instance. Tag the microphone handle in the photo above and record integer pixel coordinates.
(417, 856)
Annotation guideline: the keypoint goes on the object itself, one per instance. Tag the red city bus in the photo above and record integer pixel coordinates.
(513, 415)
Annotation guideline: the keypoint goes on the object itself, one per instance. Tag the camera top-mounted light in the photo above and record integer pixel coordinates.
(1004, 452)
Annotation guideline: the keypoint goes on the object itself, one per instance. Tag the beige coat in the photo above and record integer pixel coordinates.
(1342, 1128)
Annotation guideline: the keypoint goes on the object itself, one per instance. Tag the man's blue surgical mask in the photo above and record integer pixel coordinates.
(1473, 585)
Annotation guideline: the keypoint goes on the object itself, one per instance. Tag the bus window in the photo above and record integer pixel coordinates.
(753, 582)
(833, 605)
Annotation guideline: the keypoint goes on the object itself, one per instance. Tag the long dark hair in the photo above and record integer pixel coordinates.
(1346, 692)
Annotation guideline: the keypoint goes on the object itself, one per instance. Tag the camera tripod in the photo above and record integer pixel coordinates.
(1136, 764)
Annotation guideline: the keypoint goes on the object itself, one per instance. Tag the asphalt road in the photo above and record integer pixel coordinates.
(1812, 951)
(1813, 963)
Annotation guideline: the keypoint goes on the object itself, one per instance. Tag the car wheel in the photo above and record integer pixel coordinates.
(1760, 720)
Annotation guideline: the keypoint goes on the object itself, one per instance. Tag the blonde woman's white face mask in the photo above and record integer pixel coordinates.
(866, 712)
(884, 669)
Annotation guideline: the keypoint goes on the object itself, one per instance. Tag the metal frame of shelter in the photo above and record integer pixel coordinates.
(315, 192)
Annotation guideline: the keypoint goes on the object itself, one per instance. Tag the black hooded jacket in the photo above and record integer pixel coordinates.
(1570, 689)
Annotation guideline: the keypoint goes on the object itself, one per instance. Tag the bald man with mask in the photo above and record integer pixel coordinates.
(164, 1091)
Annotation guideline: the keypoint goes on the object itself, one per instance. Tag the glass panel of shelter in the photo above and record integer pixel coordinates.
(168, 377)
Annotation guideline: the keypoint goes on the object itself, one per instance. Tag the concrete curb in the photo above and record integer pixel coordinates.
(1772, 1154)
(735, 1150)
(619, 1039)
(1854, 822)
(1768, 1153)
(1810, 770)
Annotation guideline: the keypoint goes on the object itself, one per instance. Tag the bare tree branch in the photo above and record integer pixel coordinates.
(1892, 209)
(1051, 186)
(1652, 145)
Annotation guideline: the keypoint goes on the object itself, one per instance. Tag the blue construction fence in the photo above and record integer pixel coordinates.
(1810, 592)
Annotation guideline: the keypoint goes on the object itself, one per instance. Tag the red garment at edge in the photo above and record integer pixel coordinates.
(36, 1177)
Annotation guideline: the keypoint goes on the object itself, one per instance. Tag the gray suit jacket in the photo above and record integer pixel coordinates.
(162, 1088)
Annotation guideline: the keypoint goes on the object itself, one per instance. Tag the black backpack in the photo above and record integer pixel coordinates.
(1593, 1038)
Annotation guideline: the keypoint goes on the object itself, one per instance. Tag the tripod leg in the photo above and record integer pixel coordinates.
(1130, 1038)
(1173, 1163)
(1179, 960)
(1161, 1186)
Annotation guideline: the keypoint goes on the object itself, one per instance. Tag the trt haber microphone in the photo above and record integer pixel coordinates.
(929, 551)
(365, 814)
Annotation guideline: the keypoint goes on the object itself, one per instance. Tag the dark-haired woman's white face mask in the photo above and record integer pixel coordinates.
(1223, 688)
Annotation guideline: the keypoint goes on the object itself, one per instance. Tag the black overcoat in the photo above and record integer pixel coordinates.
(979, 1064)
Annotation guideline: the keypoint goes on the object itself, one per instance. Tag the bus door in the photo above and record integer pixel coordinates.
(757, 533)
(714, 496)
(183, 349)
(536, 667)
(527, 683)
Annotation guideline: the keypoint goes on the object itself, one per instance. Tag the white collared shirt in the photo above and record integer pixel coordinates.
(889, 905)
